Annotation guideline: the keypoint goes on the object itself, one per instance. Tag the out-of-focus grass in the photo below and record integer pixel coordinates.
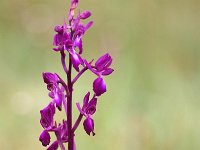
(153, 98)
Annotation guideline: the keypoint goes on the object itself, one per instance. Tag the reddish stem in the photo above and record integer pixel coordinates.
(79, 74)
(69, 108)
(77, 122)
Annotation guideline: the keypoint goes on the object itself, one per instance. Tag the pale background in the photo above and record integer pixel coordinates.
(153, 100)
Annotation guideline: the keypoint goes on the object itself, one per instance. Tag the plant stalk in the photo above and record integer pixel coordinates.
(69, 108)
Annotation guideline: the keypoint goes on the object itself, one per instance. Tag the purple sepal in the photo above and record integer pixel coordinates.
(86, 99)
(107, 71)
(53, 146)
(99, 86)
(59, 29)
(103, 62)
(88, 25)
(86, 14)
(89, 126)
(44, 138)
(50, 78)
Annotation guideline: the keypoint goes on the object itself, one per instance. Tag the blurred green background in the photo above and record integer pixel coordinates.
(153, 96)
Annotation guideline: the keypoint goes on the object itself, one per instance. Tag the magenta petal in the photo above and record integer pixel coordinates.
(86, 99)
(53, 146)
(109, 62)
(88, 25)
(45, 138)
(89, 125)
(99, 86)
(107, 71)
(101, 60)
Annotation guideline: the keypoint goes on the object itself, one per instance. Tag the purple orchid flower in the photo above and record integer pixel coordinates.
(68, 39)
(47, 122)
(56, 93)
(101, 68)
(61, 38)
(88, 109)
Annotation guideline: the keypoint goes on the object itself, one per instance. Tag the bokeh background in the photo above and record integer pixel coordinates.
(153, 100)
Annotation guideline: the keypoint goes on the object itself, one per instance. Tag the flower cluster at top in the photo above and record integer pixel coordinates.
(68, 40)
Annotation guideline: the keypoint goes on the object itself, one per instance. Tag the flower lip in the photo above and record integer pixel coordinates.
(89, 125)
(47, 115)
(45, 138)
